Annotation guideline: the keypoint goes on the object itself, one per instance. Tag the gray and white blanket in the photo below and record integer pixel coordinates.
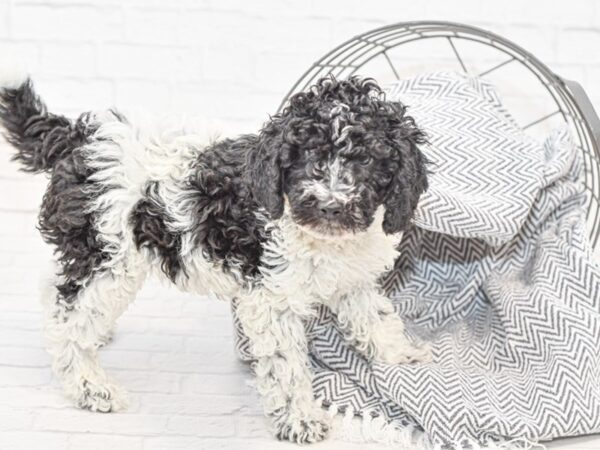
(496, 273)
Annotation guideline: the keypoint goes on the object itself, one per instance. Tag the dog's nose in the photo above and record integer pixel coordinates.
(331, 210)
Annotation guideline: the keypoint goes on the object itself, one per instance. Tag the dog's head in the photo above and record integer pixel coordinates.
(337, 153)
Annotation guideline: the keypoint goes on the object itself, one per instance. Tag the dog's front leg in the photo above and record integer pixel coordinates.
(368, 320)
(283, 378)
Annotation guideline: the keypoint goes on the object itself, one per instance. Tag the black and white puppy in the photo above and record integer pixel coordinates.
(308, 211)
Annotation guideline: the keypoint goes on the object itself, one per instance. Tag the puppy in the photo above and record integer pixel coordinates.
(308, 211)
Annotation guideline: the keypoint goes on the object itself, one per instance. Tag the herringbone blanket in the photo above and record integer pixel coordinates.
(496, 274)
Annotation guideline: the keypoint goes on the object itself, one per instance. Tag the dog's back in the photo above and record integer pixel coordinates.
(117, 189)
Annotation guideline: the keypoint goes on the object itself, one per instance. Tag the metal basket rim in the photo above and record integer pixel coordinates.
(560, 89)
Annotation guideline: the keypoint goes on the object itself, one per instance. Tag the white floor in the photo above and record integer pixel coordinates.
(173, 352)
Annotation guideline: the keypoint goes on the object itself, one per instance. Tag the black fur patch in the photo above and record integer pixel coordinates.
(40, 137)
(66, 222)
(150, 231)
(226, 225)
(52, 143)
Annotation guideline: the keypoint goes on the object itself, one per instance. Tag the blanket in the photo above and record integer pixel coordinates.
(496, 273)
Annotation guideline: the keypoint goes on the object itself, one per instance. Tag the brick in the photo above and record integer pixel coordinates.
(24, 357)
(208, 27)
(17, 223)
(28, 440)
(579, 13)
(33, 398)
(179, 443)
(33, 254)
(20, 337)
(213, 344)
(81, 95)
(189, 404)
(69, 59)
(196, 443)
(141, 381)
(19, 285)
(540, 41)
(94, 441)
(4, 19)
(289, 67)
(27, 54)
(19, 320)
(15, 418)
(579, 46)
(80, 421)
(156, 308)
(27, 246)
(150, 342)
(264, 8)
(205, 306)
(17, 302)
(441, 10)
(22, 376)
(296, 33)
(215, 426)
(126, 360)
(235, 63)
(514, 12)
(593, 86)
(252, 426)
(151, 26)
(66, 22)
(209, 360)
(222, 384)
(152, 96)
(28, 194)
(178, 326)
(6, 260)
(140, 61)
(239, 103)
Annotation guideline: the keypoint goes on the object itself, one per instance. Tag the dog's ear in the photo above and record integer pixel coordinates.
(265, 171)
(410, 180)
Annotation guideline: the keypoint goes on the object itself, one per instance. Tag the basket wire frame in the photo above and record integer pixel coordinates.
(571, 103)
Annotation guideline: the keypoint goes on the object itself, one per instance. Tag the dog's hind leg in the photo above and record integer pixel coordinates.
(77, 327)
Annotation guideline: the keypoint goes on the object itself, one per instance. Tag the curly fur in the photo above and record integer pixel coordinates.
(341, 142)
(150, 231)
(308, 211)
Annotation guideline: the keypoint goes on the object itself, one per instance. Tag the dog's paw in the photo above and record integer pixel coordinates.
(307, 430)
(404, 353)
(102, 397)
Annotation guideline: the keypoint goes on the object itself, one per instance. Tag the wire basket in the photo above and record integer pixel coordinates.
(532, 92)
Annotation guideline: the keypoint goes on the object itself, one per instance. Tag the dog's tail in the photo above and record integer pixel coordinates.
(40, 138)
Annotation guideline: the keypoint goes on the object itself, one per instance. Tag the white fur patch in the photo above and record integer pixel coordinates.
(13, 73)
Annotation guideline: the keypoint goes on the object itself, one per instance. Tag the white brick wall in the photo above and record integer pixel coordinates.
(234, 59)
(228, 59)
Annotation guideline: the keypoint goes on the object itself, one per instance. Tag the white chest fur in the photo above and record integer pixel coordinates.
(319, 269)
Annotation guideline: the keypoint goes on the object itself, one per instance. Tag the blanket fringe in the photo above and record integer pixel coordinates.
(365, 427)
